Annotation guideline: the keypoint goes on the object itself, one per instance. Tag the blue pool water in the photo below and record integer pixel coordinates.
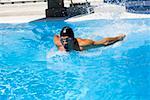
(31, 67)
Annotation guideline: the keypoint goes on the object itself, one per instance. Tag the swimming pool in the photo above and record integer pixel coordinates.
(32, 68)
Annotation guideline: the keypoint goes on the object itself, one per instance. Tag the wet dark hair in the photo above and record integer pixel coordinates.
(67, 31)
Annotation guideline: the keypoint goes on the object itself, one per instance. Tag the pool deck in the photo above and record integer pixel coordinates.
(20, 13)
(26, 12)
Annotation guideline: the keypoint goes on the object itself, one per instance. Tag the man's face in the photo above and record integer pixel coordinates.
(67, 42)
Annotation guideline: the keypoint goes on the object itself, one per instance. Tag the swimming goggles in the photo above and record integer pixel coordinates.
(65, 39)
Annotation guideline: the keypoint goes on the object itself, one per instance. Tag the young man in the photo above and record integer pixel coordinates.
(67, 42)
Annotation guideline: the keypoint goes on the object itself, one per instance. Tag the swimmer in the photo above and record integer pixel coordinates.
(67, 42)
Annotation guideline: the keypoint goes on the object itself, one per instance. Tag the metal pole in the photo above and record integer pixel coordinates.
(71, 1)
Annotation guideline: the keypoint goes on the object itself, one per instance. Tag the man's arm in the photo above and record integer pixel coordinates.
(109, 40)
(87, 43)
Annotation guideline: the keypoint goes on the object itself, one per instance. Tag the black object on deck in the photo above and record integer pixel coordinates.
(56, 9)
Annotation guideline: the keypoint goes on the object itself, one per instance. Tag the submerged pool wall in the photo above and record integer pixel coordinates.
(138, 6)
(133, 6)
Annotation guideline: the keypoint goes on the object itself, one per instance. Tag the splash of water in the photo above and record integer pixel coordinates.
(108, 11)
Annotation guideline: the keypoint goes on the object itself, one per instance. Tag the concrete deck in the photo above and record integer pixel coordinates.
(26, 12)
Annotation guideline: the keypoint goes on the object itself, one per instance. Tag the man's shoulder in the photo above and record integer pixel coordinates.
(57, 40)
(80, 39)
(56, 36)
(83, 40)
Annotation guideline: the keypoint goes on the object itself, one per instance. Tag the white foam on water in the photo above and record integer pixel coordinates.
(54, 52)
(120, 27)
(71, 95)
(89, 53)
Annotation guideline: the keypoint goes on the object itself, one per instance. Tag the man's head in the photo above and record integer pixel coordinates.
(67, 38)
(67, 31)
